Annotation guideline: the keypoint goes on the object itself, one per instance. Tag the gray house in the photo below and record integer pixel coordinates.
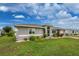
(28, 30)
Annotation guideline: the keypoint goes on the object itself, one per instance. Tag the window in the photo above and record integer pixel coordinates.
(32, 31)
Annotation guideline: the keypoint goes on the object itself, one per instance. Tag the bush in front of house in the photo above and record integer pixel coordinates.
(45, 35)
(25, 38)
(35, 38)
(7, 39)
(39, 38)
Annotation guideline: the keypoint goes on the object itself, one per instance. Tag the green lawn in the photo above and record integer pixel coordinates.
(54, 47)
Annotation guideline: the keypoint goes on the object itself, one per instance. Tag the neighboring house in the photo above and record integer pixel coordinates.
(76, 32)
(58, 31)
(68, 32)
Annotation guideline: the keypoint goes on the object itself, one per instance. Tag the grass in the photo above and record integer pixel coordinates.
(54, 47)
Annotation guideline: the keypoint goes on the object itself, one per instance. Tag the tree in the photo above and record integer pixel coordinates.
(7, 30)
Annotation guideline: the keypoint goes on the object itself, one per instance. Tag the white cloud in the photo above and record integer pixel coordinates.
(47, 5)
(63, 14)
(54, 11)
(61, 22)
(38, 17)
(69, 21)
(72, 7)
(18, 16)
(3, 8)
(56, 6)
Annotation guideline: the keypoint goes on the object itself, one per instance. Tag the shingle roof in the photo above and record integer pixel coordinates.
(29, 25)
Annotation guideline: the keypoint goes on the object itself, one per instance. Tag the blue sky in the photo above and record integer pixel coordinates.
(57, 14)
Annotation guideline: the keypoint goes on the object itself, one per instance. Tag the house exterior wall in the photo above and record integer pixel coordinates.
(45, 30)
(51, 29)
(22, 33)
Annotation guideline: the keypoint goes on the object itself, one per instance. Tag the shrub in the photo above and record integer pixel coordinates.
(11, 33)
(25, 38)
(39, 38)
(36, 38)
(33, 38)
(13, 38)
(8, 39)
(7, 30)
(45, 35)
